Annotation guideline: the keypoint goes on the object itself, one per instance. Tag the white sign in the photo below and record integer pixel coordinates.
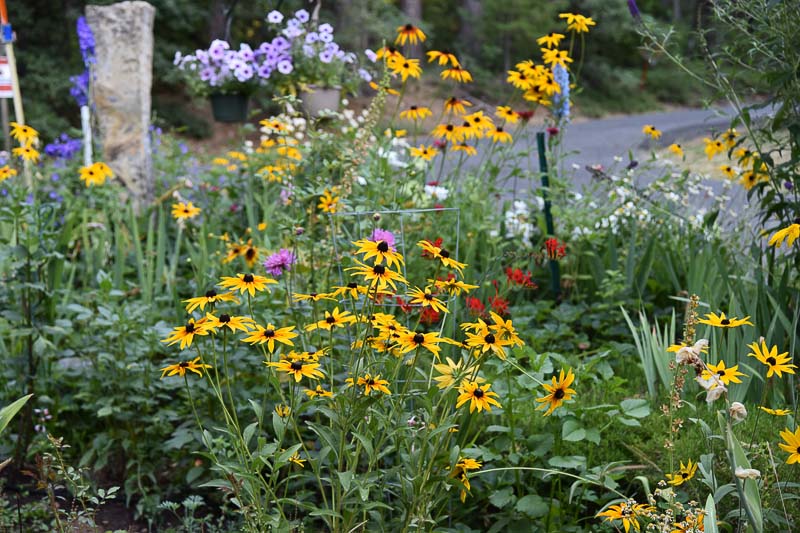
(6, 89)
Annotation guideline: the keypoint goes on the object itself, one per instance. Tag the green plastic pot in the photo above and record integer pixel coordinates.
(230, 107)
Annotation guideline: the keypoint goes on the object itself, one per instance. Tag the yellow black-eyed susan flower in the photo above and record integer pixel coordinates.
(247, 282)
(423, 152)
(728, 171)
(415, 112)
(441, 254)
(789, 234)
(336, 319)
(405, 67)
(311, 297)
(6, 172)
(378, 275)
(373, 383)
(479, 396)
(456, 106)
(550, 40)
(26, 153)
(328, 203)
(413, 339)
(500, 135)
(270, 335)
(775, 412)
(776, 363)
(684, 474)
(577, 23)
(485, 340)
(726, 375)
(651, 131)
(381, 250)
(559, 391)
(713, 147)
(676, 149)
(443, 58)
(792, 445)
(507, 114)
(554, 57)
(297, 369)
(181, 368)
(457, 73)
(25, 135)
(185, 334)
(182, 211)
(722, 321)
(211, 297)
(410, 33)
(628, 513)
(425, 298)
(319, 392)
(233, 323)
(452, 286)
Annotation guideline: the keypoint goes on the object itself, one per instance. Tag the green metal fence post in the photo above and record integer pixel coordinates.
(555, 272)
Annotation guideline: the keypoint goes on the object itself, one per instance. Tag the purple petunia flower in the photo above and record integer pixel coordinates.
(372, 56)
(366, 76)
(302, 15)
(285, 66)
(280, 262)
(312, 37)
(325, 28)
(275, 17)
(217, 49)
(326, 57)
(387, 236)
(326, 37)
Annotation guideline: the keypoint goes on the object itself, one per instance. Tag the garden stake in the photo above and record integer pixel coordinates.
(555, 273)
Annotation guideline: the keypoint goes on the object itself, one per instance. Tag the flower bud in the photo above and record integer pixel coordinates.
(747, 473)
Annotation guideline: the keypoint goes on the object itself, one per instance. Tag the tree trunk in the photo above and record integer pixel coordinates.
(472, 13)
(412, 9)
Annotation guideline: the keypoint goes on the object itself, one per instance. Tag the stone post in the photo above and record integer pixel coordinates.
(120, 90)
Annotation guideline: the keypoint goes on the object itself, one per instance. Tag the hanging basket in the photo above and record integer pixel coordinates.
(230, 107)
(319, 99)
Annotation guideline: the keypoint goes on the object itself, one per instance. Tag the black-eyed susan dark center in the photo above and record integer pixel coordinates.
(444, 253)
(224, 318)
(559, 394)
(490, 338)
(352, 285)
(189, 328)
(330, 320)
(250, 254)
(296, 366)
(419, 338)
(383, 247)
(211, 294)
(379, 270)
(725, 322)
(269, 333)
(478, 393)
(248, 278)
(772, 361)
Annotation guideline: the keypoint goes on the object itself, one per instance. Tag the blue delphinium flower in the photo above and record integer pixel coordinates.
(63, 147)
(561, 100)
(85, 41)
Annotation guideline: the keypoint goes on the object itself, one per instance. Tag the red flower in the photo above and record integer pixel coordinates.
(525, 115)
(555, 249)
(432, 183)
(499, 305)
(441, 144)
(429, 316)
(404, 305)
(515, 276)
(438, 206)
(552, 131)
(475, 306)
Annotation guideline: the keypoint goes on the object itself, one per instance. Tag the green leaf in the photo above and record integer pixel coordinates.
(8, 412)
(568, 461)
(635, 407)
(748, 488)
(345, 478)
(710, 518)
(501, 498)
(572, 431)
(248, 433)
(532, 505)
